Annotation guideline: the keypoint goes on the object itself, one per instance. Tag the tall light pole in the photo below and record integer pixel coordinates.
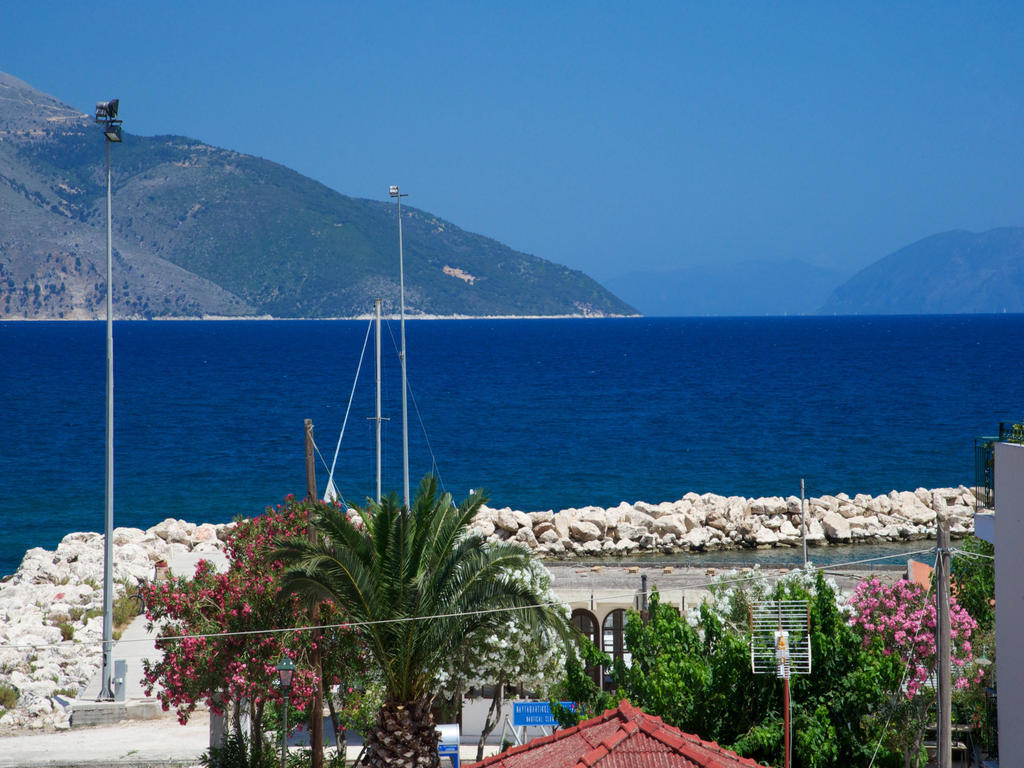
(395, 193)
(106, 115)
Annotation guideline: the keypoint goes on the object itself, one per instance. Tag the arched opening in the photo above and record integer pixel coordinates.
(613, 642)
(586, 623)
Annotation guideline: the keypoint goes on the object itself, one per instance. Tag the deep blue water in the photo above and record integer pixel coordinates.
(542, 413)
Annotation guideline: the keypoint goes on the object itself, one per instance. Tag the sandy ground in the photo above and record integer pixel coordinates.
(570, 579)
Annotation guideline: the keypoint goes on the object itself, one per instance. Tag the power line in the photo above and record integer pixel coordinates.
(549, 604)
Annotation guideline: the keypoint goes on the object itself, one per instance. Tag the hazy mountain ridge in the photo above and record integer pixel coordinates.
(948, 273)
(746, 288)
(199, 230)
(956, 272)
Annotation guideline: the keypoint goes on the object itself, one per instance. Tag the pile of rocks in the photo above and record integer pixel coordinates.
(51, 620)
(710, 522)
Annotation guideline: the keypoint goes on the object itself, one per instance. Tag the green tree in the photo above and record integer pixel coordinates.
(840, 710)
(974, 579)
(579, 687)
(695, 676)
(421, 584)
(974, 585)
(695, 673)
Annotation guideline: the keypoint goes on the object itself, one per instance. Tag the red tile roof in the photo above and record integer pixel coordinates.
(624, 737)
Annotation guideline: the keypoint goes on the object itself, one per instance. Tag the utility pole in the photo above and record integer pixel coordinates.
(944, 716)
(316, 715)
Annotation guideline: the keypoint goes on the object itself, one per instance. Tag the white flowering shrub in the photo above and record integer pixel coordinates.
(513, 655)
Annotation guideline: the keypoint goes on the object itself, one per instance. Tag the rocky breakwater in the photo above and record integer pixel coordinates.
(705, 523)
(51, 614)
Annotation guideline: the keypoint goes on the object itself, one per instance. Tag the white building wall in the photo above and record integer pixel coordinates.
(1009, 544)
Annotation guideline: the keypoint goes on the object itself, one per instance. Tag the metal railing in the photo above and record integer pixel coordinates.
(985, 464)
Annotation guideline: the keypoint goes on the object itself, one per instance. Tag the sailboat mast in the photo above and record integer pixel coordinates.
(376, 306)
(396, 193)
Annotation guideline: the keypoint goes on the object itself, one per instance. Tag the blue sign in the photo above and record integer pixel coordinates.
(451, 751)
(536, 712)
(448, 744)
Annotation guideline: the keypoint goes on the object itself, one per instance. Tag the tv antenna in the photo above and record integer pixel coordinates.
(780, 645)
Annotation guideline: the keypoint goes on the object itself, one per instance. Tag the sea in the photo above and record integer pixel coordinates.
(541, 414)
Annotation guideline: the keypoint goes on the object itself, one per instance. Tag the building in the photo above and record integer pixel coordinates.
(1005, 530)
(624, 737)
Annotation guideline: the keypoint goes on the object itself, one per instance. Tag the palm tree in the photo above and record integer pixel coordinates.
(421, 584)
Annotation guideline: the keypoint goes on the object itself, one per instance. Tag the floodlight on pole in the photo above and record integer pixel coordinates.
(106, 114)
(107, 110)
(394, 192)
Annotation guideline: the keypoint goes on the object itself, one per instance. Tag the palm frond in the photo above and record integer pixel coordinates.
(422, 580)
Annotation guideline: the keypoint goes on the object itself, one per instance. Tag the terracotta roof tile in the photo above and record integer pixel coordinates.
(624, 737)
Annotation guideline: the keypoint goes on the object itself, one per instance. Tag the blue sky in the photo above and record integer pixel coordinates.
(605, 136)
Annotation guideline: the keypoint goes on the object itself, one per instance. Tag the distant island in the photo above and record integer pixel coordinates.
(950, 273)
(201, 231)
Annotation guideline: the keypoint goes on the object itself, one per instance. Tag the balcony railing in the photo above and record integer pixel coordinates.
(985, 462)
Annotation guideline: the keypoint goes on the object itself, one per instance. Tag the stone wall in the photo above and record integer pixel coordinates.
(710, 522)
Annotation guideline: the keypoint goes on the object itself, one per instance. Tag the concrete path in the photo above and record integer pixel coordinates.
(159, 743)
(135, 646)
(141, 743)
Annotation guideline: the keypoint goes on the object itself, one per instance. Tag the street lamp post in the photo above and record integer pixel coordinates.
(285, 671)
(106, 115)
(395, 193)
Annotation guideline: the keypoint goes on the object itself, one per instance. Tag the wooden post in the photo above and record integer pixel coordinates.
(311, 494)
(786, 746)
(316, 715)
(944, 716)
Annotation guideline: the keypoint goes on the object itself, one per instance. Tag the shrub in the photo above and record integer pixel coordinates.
(67, 632)
(235, 754)
(126, 608)
(8, 696)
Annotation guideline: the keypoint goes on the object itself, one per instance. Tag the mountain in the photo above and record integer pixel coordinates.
(949, 273)
(199, 230)
(791, 287)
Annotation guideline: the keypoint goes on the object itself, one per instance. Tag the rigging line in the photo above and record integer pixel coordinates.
(316, 448)
(337, 450)
(426, 437)
(419, 418)
(323, 461)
